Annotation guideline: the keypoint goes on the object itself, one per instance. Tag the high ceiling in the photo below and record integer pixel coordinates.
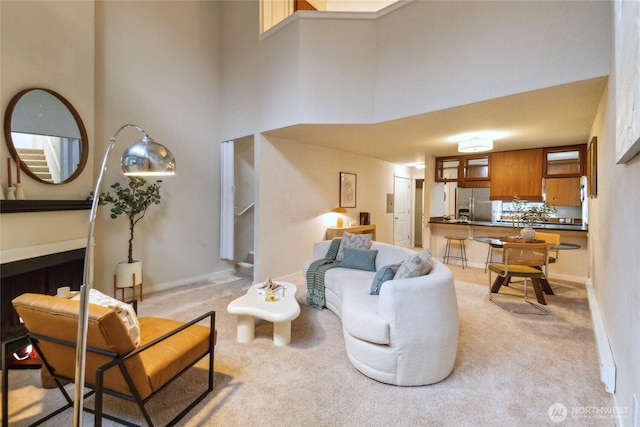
(560, 115)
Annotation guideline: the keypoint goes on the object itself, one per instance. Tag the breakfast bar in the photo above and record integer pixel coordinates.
(573, 265)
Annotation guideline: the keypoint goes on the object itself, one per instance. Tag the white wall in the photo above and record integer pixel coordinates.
(37, 51)
(329, 68)
(614, 247)
(158, 65)
(454, 53)
(298, 184)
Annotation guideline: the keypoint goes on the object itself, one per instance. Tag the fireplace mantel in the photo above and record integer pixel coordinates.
(17, 206)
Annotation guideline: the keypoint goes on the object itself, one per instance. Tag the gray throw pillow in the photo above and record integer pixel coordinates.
(425, 254)
(360, 259)
(385, 273)
(416, 265)
(356, 241)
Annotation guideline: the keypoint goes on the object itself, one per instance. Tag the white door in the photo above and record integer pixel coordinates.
(402, 211)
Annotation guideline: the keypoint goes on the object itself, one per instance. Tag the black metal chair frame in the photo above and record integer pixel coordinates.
(119, 362)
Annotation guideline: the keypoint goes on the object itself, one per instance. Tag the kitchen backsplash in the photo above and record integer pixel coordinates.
(500, 210)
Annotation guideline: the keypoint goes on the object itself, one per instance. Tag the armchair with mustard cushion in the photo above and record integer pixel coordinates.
(115, 364)
(527, 260)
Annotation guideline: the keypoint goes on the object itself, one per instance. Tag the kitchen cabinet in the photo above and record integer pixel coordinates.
(563, 191)
(476, 167)
(517, 172)
(447, 169)
(564, 162)
(468, 171)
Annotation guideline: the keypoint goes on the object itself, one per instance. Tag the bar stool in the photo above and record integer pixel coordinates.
(447, 250)
(490, 255)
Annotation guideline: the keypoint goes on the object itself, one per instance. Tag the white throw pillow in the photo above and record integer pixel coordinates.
(124, 310)
(354, 241)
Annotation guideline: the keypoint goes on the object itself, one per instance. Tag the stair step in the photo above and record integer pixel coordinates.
(249, 258)
(244, 269)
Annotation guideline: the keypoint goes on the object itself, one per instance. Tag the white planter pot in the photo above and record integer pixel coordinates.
(528, 234)
(125, 273)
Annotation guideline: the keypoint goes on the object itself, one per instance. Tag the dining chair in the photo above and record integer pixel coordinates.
(527, 260)
(492, 247)
(552, 239)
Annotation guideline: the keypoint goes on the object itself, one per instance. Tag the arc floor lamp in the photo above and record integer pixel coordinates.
(143, 158)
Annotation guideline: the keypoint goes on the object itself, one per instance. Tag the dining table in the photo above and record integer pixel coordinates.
(498, 242)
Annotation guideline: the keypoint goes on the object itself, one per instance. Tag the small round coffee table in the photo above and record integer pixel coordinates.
(281, 312)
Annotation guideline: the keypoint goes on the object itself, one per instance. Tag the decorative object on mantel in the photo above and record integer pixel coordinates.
(143, 158)
(11, 193)
(19, 191)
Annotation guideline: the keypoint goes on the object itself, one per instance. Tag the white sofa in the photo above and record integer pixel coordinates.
(408, 334)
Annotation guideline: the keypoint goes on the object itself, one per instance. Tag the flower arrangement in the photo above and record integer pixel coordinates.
(528, 216)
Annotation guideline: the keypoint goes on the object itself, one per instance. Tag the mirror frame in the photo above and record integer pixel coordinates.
(76, 116)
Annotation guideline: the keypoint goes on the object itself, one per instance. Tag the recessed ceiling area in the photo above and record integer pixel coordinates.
(559, 115)
(351, 5)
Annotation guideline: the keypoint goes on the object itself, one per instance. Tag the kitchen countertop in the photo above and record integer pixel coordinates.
(545, 226)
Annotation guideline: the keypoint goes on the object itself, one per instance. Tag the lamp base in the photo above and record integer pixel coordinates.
(339, 222)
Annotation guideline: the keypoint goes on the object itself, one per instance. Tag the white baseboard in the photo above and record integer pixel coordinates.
(221, 276)
(607, 364)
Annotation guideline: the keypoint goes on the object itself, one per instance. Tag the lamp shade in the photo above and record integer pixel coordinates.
(148, 158)
(475, 145)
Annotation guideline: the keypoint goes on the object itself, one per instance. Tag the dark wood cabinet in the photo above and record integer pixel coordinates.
(516, 172)
(466, 170)
(563, 191)
(448, 169)
(564, 162)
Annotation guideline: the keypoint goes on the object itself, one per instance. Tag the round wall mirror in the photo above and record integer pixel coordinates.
(44, 130)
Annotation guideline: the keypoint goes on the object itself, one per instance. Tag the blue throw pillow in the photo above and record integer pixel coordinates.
(360, 259)
(385, 273)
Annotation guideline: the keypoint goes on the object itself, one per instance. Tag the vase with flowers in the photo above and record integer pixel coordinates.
(529, 216)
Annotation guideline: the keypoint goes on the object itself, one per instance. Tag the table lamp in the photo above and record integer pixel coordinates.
(339, 221)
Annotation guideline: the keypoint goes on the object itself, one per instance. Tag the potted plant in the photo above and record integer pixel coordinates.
(132, 201)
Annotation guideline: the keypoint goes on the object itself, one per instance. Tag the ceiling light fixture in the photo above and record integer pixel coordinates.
(475, 145)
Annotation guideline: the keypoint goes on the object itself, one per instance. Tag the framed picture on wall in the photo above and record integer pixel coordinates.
(365, 218)
(347, 190)
(592, 167)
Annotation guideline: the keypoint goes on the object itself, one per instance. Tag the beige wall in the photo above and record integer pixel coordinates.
(614, 247)
(298, 184)
(158, 65)
(165, 73)
(38, 51)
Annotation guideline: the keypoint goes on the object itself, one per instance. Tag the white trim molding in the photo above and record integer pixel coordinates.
(607, 364)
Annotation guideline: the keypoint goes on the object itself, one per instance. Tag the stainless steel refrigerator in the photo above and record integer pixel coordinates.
(474, 203)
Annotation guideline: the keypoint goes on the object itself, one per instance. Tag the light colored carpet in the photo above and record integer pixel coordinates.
(509, 369)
